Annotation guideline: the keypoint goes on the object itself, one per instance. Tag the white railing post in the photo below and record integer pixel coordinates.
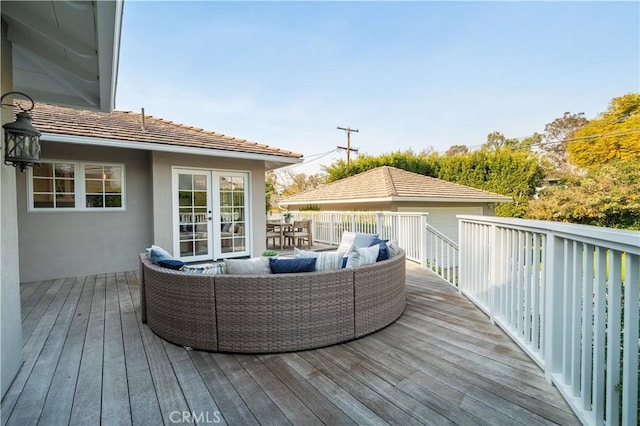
(463, 244)
(379, 224)
(494, 253)
(423, 241)
(554, 293)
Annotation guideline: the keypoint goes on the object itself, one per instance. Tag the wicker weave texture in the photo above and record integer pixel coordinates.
(284, 312)
(180, 307)
(380, 294)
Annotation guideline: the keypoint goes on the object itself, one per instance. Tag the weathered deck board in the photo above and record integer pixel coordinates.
(89, 359)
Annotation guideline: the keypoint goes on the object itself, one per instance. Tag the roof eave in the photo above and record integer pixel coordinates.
(272, 161)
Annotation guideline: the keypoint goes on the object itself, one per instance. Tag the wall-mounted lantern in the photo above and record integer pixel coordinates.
(21, 139)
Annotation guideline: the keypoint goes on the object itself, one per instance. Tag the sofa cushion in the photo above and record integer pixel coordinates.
(361, 256)
(171, 264)
(289, 266)
(325, 261)
(355, 239)
(253, 266)
(156, 254)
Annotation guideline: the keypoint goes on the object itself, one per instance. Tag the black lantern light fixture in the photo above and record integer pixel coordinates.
(21, 139)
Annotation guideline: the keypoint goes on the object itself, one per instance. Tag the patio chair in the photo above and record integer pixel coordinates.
(300, 231)
(274, 231)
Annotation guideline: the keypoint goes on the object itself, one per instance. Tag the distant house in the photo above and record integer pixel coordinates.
(390, 189)
(111, 184)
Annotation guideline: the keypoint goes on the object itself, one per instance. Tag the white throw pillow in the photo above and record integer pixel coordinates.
(325, 261)
(355, 239)
(361, 256)
(253, 266)
(203, 268)
(393, 247)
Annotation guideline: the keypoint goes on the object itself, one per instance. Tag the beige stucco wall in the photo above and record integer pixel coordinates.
(10, 318)
(162, 164)
(66, 244)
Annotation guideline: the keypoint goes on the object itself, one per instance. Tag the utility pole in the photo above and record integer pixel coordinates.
(348, 147)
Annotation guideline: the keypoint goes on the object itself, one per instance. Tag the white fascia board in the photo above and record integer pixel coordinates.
(108, 31)
(452, 199)
(148, 146)
(393, 199)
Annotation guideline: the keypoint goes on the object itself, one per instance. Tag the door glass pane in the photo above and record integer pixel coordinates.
(193, 215)
(233, 205)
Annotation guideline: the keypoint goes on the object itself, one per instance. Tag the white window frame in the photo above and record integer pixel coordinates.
(79, 188)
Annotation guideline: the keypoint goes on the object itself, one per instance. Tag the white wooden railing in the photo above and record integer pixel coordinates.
(422, 243)
(568, 295)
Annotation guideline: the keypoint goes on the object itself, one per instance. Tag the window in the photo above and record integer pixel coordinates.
(68, 185)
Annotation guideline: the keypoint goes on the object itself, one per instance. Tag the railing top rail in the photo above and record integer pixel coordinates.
(619, 239)
(362, 213)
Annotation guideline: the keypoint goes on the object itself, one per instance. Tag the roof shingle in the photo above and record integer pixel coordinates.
(389, 182)
(127, 126)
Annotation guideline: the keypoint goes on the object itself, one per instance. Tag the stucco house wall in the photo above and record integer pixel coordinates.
(10, 317)
(70, 243)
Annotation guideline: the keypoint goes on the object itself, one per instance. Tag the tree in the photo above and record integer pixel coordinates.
(554, 142)
(496, 140)
(503, 171)
(608, 196)
(614, 136)
(423, 163)
(456, 149)
(295, 183)
(270, 183)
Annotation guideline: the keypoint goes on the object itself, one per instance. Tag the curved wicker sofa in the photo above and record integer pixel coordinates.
(271, 313)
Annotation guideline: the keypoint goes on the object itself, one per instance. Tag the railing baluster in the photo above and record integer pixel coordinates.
(587, 325)
(630, 350)
(600, 304)
(576, 318)
(614, 305)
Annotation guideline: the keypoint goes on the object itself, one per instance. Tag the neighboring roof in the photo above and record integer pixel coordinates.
(65, 52)
(101, 128)
(391, 184)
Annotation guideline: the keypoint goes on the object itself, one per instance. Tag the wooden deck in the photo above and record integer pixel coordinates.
(89, 360)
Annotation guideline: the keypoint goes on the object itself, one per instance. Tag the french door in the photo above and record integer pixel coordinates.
(210, 214)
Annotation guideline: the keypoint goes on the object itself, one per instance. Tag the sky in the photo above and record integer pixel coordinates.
(408, 75)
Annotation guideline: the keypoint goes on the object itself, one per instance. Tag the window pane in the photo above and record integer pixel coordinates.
(94, 201)
(65, 200)
(238, 183)
(93, 186)
(113, 173)
(200, 198)
(64, 170)
(200, 182)
(186, 248)
(185, 182)
(113, 200)
(113, 187)
(43, 201)
(42, 185)
(93, 172)
(185, 198)
(65, 185)
(201, 247)
(44, 170)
